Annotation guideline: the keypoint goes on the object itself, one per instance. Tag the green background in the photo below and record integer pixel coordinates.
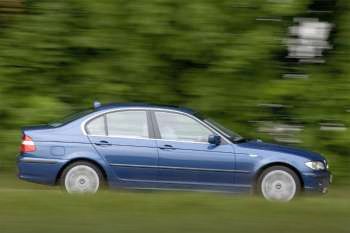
(223, 58)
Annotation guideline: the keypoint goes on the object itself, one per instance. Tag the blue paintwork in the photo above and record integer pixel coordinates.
(147, 163)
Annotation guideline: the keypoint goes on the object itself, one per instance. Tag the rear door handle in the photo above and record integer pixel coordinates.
(103, 143)
(167, 147)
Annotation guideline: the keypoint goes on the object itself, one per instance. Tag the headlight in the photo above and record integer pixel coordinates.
(316, 165)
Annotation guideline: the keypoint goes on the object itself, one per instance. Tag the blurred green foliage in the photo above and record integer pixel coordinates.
(35, 211)
(223, 58)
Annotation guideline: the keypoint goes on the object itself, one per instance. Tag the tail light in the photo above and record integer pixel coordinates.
(27, 144)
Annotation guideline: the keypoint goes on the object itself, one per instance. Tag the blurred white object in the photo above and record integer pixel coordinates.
(281, 132)
(309, 39)
(333, 127)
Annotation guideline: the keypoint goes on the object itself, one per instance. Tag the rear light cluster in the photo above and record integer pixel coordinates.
(27, 144)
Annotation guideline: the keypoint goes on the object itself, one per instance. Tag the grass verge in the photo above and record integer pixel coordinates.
(33, 208)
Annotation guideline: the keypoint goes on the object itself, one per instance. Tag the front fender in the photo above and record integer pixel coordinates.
(296, 165)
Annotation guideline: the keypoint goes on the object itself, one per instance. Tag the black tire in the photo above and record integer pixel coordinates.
(101, 178)
(298, 185)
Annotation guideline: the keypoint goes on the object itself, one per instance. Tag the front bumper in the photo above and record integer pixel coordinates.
(317, 181)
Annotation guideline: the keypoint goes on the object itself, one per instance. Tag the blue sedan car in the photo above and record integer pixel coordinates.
(156, 147)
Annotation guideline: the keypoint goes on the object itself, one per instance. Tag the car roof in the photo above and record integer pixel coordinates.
(144, 105)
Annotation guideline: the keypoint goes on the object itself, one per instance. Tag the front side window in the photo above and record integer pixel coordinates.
(179, 127)
(127, 124)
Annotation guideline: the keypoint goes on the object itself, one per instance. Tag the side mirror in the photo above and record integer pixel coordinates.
(214, 139)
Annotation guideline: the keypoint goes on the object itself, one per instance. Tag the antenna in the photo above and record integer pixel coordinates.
(97, 104)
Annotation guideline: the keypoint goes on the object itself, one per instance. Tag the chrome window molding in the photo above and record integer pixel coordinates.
(100, 113)
(143, 138)
(120, 136)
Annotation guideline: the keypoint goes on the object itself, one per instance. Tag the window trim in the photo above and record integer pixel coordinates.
(151, 123)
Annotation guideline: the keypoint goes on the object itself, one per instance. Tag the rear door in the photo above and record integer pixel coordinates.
(123, 138)
(186, 159)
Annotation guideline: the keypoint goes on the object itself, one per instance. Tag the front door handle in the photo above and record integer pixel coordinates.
(167, 147)
(103, 143)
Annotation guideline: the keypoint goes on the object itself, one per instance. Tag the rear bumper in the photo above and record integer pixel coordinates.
(39, 170)
(317, 182)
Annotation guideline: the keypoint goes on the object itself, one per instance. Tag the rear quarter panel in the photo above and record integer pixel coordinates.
(61, 146)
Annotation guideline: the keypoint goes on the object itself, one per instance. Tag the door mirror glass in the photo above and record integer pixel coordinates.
(214, 139)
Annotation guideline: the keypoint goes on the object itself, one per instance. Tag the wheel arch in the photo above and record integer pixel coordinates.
(98, 165)
(272, 164)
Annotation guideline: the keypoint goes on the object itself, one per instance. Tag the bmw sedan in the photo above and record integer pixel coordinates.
(161, 147)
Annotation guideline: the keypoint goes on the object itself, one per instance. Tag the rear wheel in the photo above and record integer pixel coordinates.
(82, 177)
(279, 183)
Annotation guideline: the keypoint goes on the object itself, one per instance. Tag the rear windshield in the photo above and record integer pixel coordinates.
(70, 118)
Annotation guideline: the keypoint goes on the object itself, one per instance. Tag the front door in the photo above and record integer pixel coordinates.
(186, 159)
(123, 139)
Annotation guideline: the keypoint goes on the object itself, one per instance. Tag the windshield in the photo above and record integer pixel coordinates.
(71, 118)
(228, 133)
(232, 136)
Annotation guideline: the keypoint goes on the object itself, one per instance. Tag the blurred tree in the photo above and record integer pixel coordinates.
(9, 7)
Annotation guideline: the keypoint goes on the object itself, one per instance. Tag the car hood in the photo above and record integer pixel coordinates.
(258, 145)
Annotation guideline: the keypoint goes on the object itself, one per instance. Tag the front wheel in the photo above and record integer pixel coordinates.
(279, 183)
(81, 177)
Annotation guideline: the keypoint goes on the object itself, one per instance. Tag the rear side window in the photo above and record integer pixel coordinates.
(127, 124)
(96, 127)
(120, 124)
